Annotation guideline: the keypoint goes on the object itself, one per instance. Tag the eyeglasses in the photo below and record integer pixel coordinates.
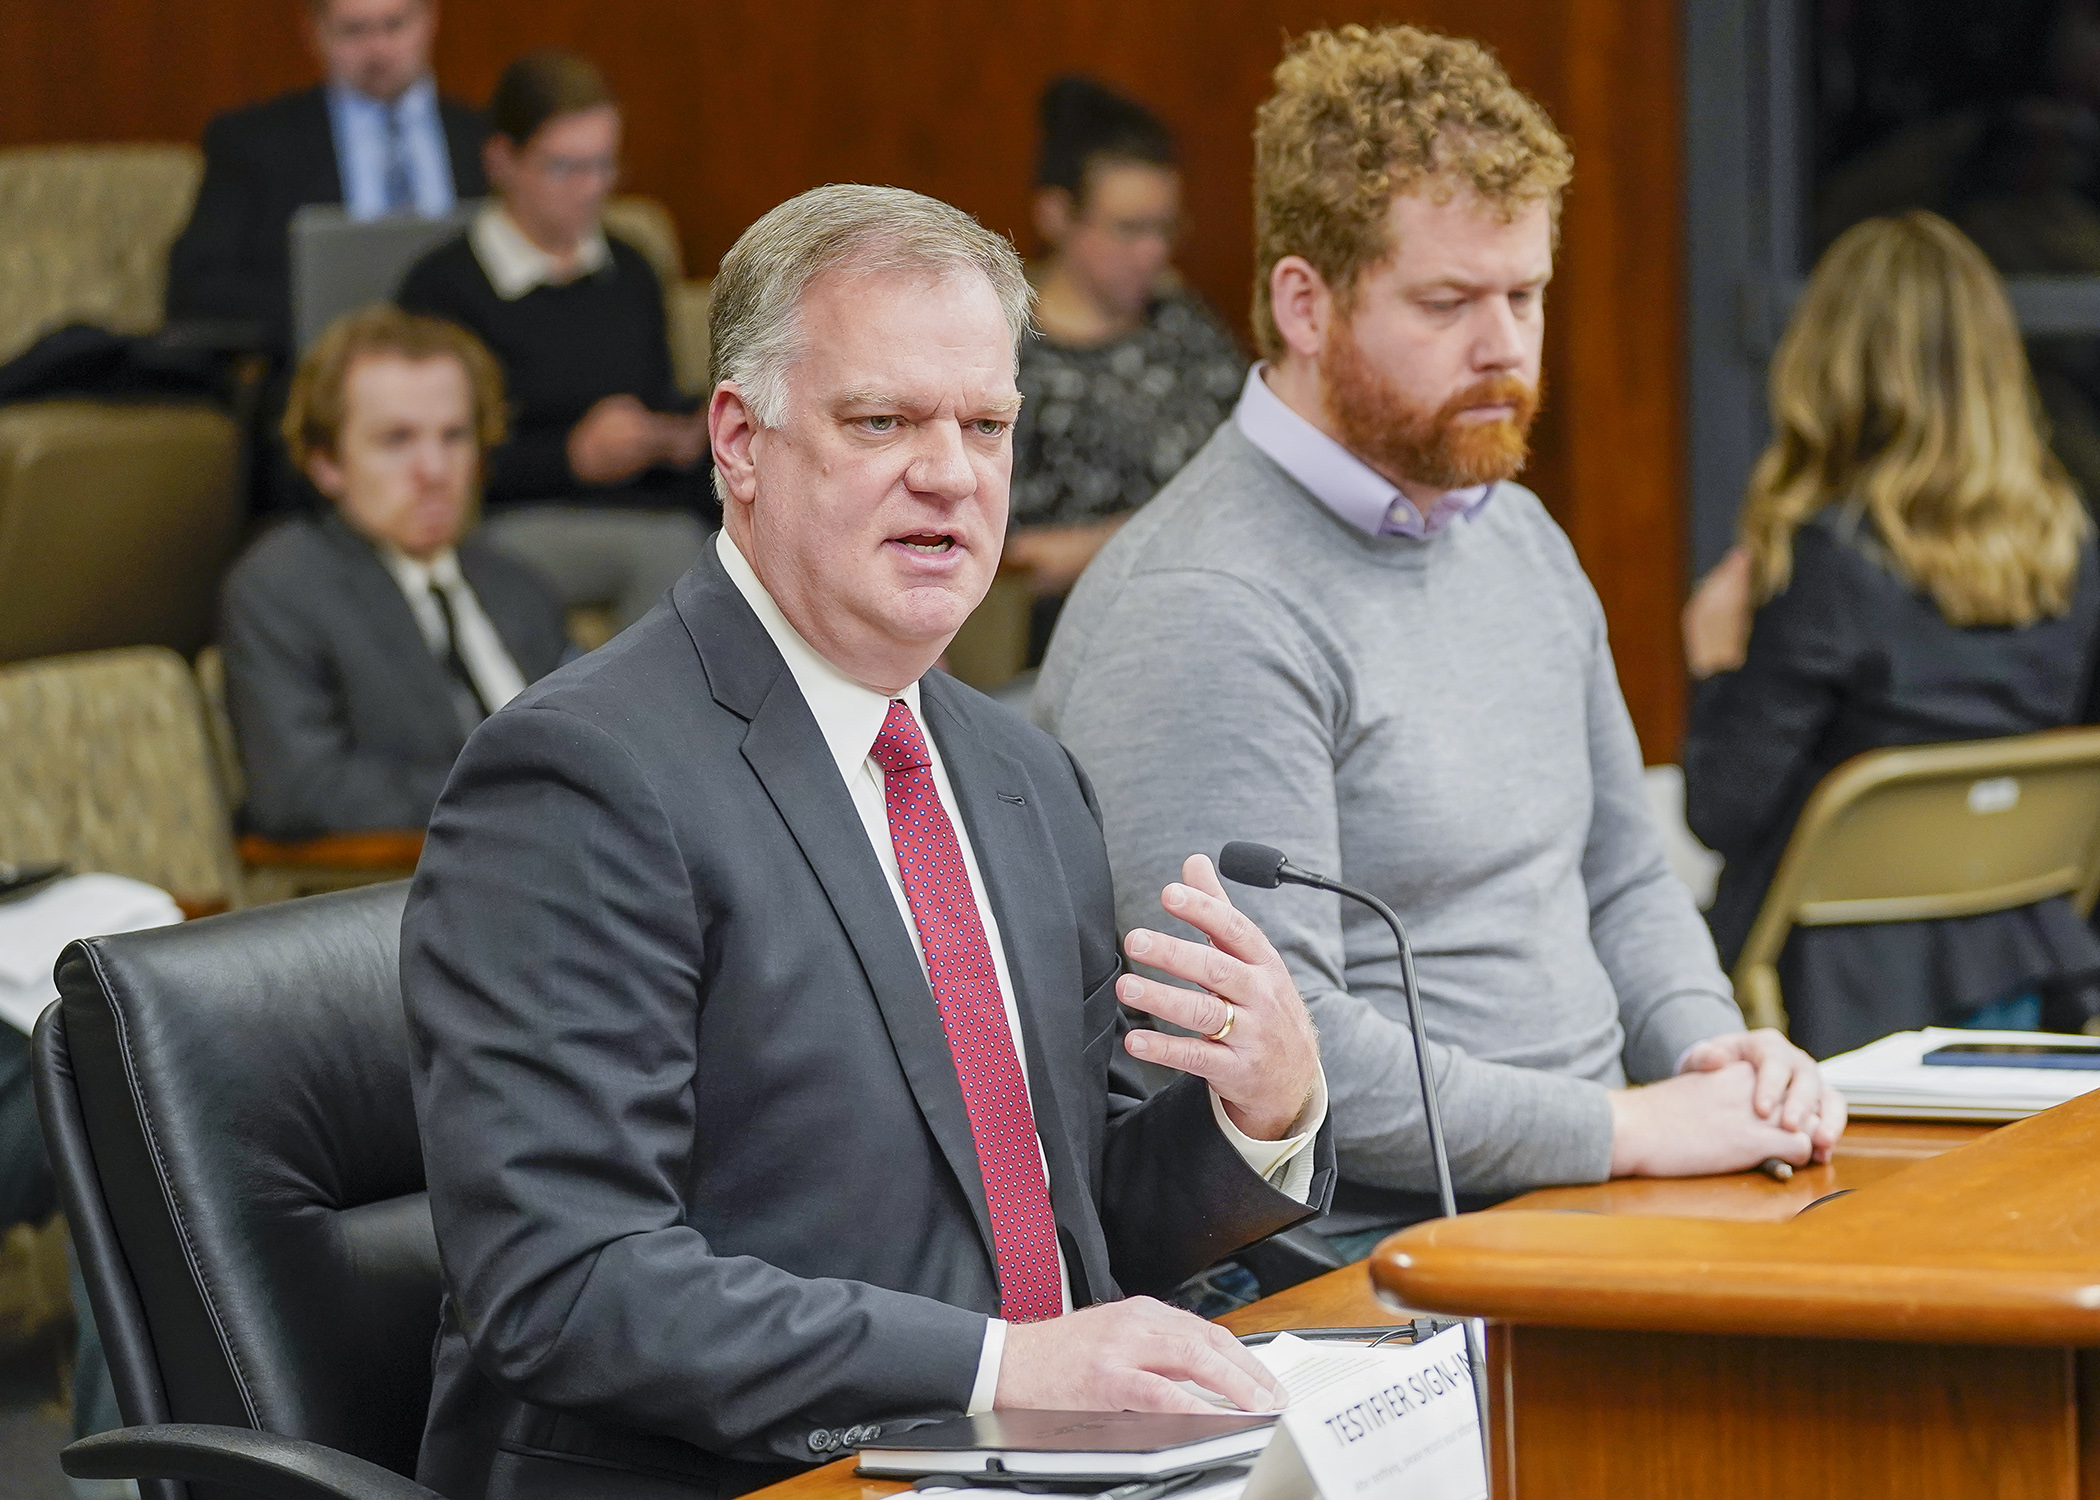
(1129, 232)
(575, 168)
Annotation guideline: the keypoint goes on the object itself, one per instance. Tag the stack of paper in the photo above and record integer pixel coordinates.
(1886, 1079)
(36, 928)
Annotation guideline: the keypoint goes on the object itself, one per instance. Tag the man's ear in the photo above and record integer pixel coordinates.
(1054, 212)
(326, 474)
(731, 430)
(498, 156)
(1302, 305)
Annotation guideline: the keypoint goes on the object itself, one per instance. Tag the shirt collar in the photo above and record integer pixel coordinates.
(416, 103)
(515, 265)
(1337, 478)
(848, 715)
(414, 576)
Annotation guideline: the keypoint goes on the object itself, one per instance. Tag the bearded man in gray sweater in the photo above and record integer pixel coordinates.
(1343, 631)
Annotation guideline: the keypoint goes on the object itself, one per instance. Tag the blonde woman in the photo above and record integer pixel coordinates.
(1914, 566)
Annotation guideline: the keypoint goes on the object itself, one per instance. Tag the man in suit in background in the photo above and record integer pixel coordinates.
(375, 137)
(363, 647)
(763, 983)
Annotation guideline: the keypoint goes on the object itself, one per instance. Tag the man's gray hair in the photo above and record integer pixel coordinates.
(755, 323)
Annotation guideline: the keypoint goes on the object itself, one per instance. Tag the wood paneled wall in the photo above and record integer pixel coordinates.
(734, 105)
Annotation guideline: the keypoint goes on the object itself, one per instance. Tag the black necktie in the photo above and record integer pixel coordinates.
(472, 707)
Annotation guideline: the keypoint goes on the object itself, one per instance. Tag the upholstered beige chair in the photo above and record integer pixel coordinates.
(116, 518)
(106, 764)
(646, 224)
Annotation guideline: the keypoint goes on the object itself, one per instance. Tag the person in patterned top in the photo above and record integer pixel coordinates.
(1130, 373)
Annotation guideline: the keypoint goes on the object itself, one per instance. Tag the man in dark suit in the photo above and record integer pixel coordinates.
(763, 983)
(362, 647)
(375, 136)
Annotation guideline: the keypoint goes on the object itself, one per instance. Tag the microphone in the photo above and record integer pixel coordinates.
(1258, 865)
(1265, 868)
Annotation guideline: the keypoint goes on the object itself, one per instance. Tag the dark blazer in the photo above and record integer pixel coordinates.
(261, 163)
(343, 716)
(702, 1178)
(1850, 659)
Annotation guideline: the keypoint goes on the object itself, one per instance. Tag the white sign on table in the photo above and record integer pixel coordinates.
(1396, 1421)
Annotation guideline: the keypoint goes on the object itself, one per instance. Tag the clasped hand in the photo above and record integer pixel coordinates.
(1736, 1100)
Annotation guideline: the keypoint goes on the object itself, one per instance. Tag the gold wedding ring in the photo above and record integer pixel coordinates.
(1232, 1013)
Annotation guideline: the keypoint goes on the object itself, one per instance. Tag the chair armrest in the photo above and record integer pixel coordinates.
(378, 849)
(261, 1463)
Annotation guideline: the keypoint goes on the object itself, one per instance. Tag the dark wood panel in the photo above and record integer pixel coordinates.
(1610, 1416)
(735, 105)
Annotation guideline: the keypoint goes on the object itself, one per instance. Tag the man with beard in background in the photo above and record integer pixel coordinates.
(1342, 630)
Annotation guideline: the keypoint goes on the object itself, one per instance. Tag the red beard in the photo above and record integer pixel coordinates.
(1400, 440)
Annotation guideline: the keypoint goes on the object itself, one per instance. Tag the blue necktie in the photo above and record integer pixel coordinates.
(397, 193)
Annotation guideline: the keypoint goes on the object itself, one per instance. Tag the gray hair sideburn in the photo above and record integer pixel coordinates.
(754, 324)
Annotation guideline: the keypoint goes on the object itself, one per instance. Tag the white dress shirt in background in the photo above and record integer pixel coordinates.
(496, 676)
(358, 124)
(515, 265)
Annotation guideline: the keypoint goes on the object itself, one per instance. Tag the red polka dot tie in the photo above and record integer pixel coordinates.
(966, 991)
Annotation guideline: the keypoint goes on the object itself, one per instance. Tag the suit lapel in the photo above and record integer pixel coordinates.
(787, 753)
(1037, 928)
(384, 610)
(319, 170)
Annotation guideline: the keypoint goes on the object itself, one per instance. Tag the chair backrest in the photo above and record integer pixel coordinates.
(116, 521)
(230, 1117)
(84, 236)
(218, 723)
(105, 764)
(647, 225)
(1932, 831)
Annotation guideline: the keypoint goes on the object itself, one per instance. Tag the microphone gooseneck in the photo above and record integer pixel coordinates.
(1259, 865)
(1265, 868)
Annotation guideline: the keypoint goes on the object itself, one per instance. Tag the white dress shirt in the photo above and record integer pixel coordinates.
(849, 717)
(515, 265)
(1341, 481)
(488, 661)
(358, 124)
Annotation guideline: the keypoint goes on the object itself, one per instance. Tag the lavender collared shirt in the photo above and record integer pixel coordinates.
(1341, 481)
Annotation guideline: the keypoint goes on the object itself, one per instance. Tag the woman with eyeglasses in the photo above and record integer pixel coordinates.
(602, 486)
(1130, 372)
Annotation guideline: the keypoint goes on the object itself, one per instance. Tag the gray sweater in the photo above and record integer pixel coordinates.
(1438, 721)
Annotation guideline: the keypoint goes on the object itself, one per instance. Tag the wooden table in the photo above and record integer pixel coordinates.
(1929, 1337)
(1870, 1152)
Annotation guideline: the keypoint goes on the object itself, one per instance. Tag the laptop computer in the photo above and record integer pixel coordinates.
(340, 264)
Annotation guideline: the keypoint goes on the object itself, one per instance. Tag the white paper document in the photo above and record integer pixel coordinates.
(1888, 1079)
(36, 929)
(1363, 1423)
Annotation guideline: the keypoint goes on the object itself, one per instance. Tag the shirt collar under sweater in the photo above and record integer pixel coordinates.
(1341, 481)
(515, 265)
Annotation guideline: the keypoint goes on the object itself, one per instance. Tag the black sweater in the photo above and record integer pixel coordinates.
(562, 349)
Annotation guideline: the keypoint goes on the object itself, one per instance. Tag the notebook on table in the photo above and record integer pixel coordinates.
(1106, 1445)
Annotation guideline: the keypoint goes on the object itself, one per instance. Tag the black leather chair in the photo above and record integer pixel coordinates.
(228, 1112)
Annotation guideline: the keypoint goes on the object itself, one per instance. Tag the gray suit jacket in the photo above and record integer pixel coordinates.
(699, 1164)
(343, 716)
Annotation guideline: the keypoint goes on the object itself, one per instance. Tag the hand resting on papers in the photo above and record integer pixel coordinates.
(1130, 1356)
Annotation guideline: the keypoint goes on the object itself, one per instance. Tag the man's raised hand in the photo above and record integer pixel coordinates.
(1266, 1063)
